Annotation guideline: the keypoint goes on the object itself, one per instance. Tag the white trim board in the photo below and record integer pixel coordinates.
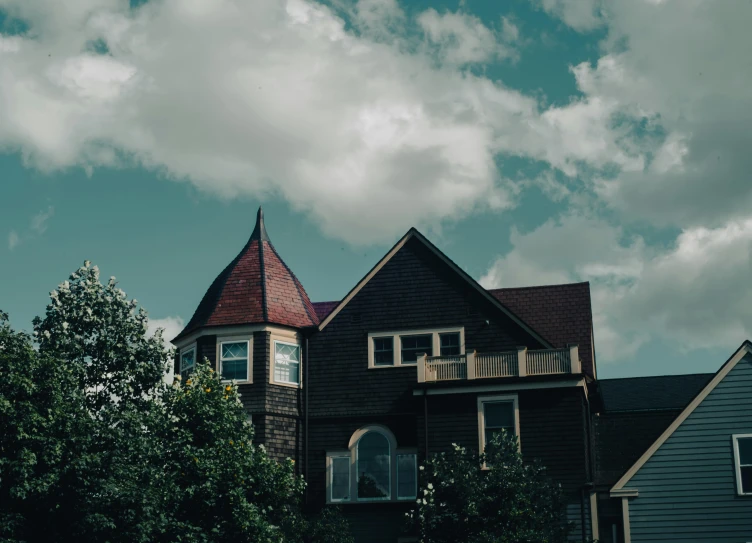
(472, 388)
(413, 233)
(730, 364)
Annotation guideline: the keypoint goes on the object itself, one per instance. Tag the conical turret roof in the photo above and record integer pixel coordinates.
(256, 287)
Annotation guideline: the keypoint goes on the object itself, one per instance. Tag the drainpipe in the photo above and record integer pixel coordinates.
(425, 418)
(305, 407)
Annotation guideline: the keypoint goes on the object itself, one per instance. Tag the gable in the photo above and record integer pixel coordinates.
(443, 265)
(724, 403)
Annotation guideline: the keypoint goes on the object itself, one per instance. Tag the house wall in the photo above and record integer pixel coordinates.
(687, 489)
(416, 290)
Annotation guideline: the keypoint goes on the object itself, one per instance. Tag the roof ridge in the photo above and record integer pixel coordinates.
(540, 286)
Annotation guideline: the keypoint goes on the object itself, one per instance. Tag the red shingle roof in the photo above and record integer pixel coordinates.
(562, 314)
(256, 287)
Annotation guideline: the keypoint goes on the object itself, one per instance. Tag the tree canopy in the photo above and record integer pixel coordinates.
(95, 446)
(494, 497)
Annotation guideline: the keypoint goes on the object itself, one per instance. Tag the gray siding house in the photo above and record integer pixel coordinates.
(694, 484)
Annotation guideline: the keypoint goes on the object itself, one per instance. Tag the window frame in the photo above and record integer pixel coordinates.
(458, 346)
(497, 398)
(290, 342)
(737, 463)
(236, 339)
(330, 477)
(397, 344)
(185, 350)
(351, 453)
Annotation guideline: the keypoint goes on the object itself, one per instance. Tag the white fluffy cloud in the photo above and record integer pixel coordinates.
(13, 240)
(171, 327)
(694, 293)
(277, 98)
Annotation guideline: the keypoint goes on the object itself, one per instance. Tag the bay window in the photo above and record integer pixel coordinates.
(234, 360)
(187, 361)
(286, 363)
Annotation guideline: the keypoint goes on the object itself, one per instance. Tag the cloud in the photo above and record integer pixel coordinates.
(171, 327)
(39, 221)
(672, 72)
(694, 293)
(581, 15)
(463, 39)
(13, 240)
(364, 133)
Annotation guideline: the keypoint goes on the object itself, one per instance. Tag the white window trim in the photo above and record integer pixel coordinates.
(397, 353)
(396, 462)
(737, 463)
(236, 339)
(192, 347)
(482, 418)
(351, 453)
(285, 341)
(330, 476)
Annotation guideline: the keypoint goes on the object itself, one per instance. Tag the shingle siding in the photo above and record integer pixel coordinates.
(687, 489)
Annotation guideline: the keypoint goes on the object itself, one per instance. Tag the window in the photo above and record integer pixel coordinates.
(234, 360)
(412, 346)
(372, 458)
(402, 348)
(496, 414)
(743, 463)
(286, 363)
(374, 469)
(383, 351)
(187, 362)
(339, 483)
(407, 480)
(450, 344)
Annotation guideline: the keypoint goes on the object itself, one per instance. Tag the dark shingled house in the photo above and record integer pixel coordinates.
(415, 357)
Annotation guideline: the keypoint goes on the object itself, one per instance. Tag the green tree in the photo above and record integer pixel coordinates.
(95, 446)
(490, 498)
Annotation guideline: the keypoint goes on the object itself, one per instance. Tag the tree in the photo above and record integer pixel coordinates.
(95, 446)
(508, 501)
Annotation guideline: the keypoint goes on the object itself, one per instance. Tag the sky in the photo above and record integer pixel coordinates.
(533, 141)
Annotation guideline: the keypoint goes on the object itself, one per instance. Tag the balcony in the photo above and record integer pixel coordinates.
(519, 363)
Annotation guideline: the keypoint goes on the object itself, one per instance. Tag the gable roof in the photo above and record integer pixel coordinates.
(414, 234)
(651, 393)
(560, 313)
(256, 287)
(744, 349)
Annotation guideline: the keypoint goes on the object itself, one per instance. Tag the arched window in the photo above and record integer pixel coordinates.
(372, 469)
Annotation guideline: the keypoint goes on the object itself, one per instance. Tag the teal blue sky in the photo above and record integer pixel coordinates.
(534, 142)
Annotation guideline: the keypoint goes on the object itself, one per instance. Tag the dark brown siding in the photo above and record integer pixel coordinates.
(414, 290)
(551, 429)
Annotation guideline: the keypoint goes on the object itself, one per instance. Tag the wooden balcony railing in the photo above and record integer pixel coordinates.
(519, 363)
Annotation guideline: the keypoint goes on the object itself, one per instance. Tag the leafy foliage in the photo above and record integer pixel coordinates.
(95, 446)
(507, 502)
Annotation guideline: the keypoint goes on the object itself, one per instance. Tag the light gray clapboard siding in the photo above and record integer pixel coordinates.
(688, 487)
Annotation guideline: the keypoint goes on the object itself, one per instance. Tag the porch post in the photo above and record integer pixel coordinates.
(574, 359)
(522, 361)
(470, 361)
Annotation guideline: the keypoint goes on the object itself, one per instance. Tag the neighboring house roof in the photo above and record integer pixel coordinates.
(651, 393)
(634, 412)
(744, 349)
(414, 234)
(562, 314)
(256, 287)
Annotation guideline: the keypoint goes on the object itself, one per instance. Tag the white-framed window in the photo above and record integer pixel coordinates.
(286, 368)
(234, 357)
(187, 361)
(373, 469)
(401, 348)
(497, 414)
(743, 463)
(407, 476)
(339, 477)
